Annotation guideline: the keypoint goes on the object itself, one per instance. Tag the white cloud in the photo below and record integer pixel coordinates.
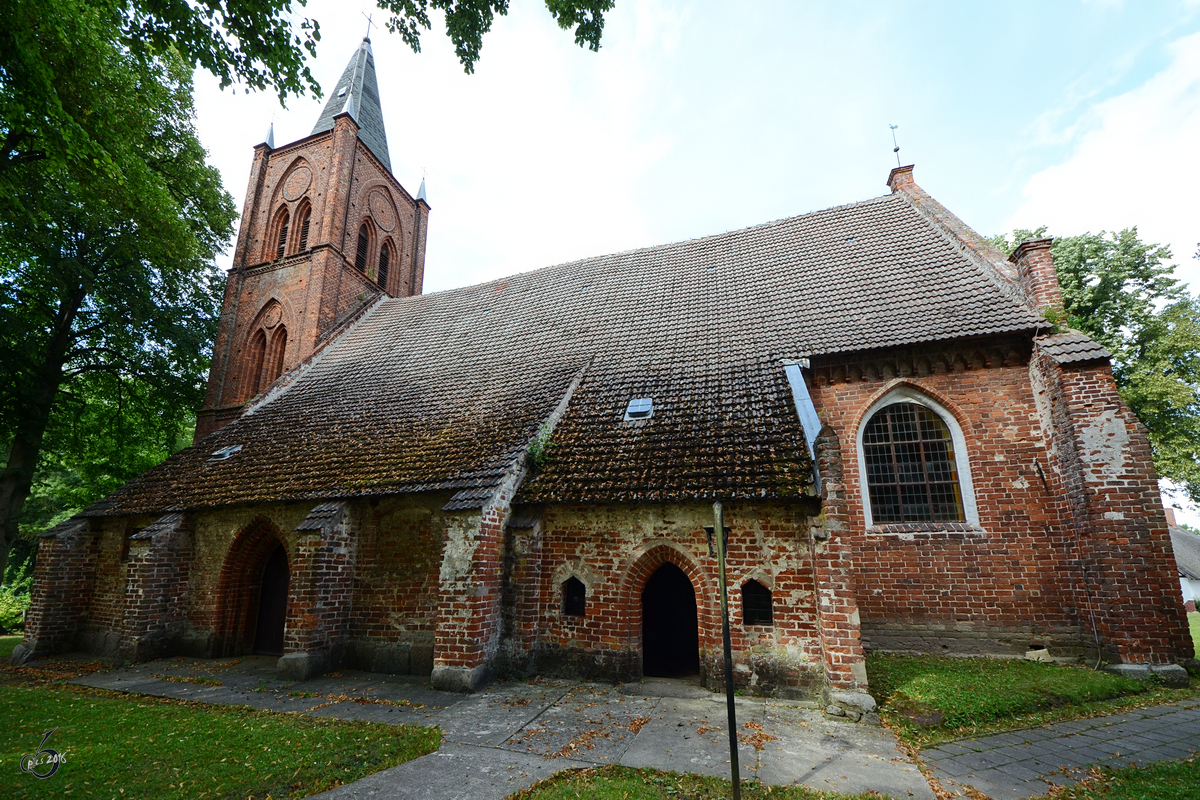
(1135, 163)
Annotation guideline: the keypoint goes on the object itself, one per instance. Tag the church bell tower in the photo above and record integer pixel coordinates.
(326, 229)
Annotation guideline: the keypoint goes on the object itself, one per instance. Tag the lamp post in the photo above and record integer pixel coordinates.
(721, 541)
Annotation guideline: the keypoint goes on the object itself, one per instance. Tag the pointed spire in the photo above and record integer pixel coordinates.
(421, 192)
(270, 140)
(357, 94)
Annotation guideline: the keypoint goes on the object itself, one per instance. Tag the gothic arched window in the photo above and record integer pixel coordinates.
(283, 233)
(385, 260)
(364, 247)
(756, 604)
(911, 469)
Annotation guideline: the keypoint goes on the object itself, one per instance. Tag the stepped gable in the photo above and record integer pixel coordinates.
(444, 391)
(357, 92)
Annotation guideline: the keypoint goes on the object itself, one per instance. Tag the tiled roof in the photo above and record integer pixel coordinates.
(1072, 346)
(444, 391)
(1187, 553)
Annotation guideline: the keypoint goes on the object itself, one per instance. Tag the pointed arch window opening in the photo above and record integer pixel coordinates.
(385, 260)
(281, 245)
(364, 246)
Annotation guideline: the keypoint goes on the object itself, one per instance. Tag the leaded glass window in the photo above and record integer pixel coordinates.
(911, 472)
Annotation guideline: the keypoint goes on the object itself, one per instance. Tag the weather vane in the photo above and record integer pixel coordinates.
(896, 147)
(370, 24)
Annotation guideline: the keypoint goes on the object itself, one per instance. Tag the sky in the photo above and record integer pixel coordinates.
(699, 117)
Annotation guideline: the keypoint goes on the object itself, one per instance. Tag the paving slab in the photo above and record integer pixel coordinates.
(1000, 769)
(455, 772)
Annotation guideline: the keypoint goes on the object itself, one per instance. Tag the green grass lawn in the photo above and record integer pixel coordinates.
(927, 699)
(623, 783)
(121, 746)
(1194, 627)
(7, 643)
(1169, 780)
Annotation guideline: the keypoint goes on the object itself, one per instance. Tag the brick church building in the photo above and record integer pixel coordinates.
(514, 478)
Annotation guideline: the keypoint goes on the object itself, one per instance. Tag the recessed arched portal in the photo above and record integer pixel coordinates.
(252, 593)
(670, 636)
(272, 605)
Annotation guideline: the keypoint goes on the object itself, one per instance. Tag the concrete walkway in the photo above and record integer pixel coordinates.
(503, 740)
(1020, 764)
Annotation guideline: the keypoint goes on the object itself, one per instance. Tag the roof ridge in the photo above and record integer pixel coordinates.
(652, 248)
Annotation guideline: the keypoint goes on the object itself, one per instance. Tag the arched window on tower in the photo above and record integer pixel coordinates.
(283, 233)
(258, 353)
(364, 246)
(305, 219)
(911, 470)
(385, 260)
(756, 604)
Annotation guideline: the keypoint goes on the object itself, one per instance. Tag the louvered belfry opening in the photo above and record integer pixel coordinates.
(911, 472)
(384, 260)
(283, 234)
(364, 242)
(305, 219)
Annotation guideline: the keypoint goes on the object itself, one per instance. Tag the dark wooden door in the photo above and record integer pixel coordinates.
(272, 605)
(670, 637)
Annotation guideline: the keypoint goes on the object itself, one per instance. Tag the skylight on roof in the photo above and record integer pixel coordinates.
(342, 93)
(639, 408)
(225, 452)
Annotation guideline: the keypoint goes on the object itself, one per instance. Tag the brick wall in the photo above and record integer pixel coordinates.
(344, 185)
(994, 587)
(614, 550)
(396, 584)
(156, 574)
(1122, 549)
(61, 594)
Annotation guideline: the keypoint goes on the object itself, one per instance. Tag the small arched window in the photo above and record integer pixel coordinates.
(385, 259)
(574, 597)
(364, 246)
(305, 219)
(756, 604)
(911, 470)
(283, 234)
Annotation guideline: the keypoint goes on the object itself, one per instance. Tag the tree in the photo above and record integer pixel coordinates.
(47, 46)
(108, 291)
(1121, 292)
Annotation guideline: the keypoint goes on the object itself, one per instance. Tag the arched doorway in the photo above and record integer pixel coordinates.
(272, 605)
(670, 636)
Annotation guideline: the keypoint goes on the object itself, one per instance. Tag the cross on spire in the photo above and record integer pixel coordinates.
(370, 24)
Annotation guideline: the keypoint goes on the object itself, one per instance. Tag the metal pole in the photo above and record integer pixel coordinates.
(719, 535)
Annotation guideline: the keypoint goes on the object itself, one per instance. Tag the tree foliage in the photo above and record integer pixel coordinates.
(1120, 291)
(468, 20)
(47, 47)
(108, 291)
